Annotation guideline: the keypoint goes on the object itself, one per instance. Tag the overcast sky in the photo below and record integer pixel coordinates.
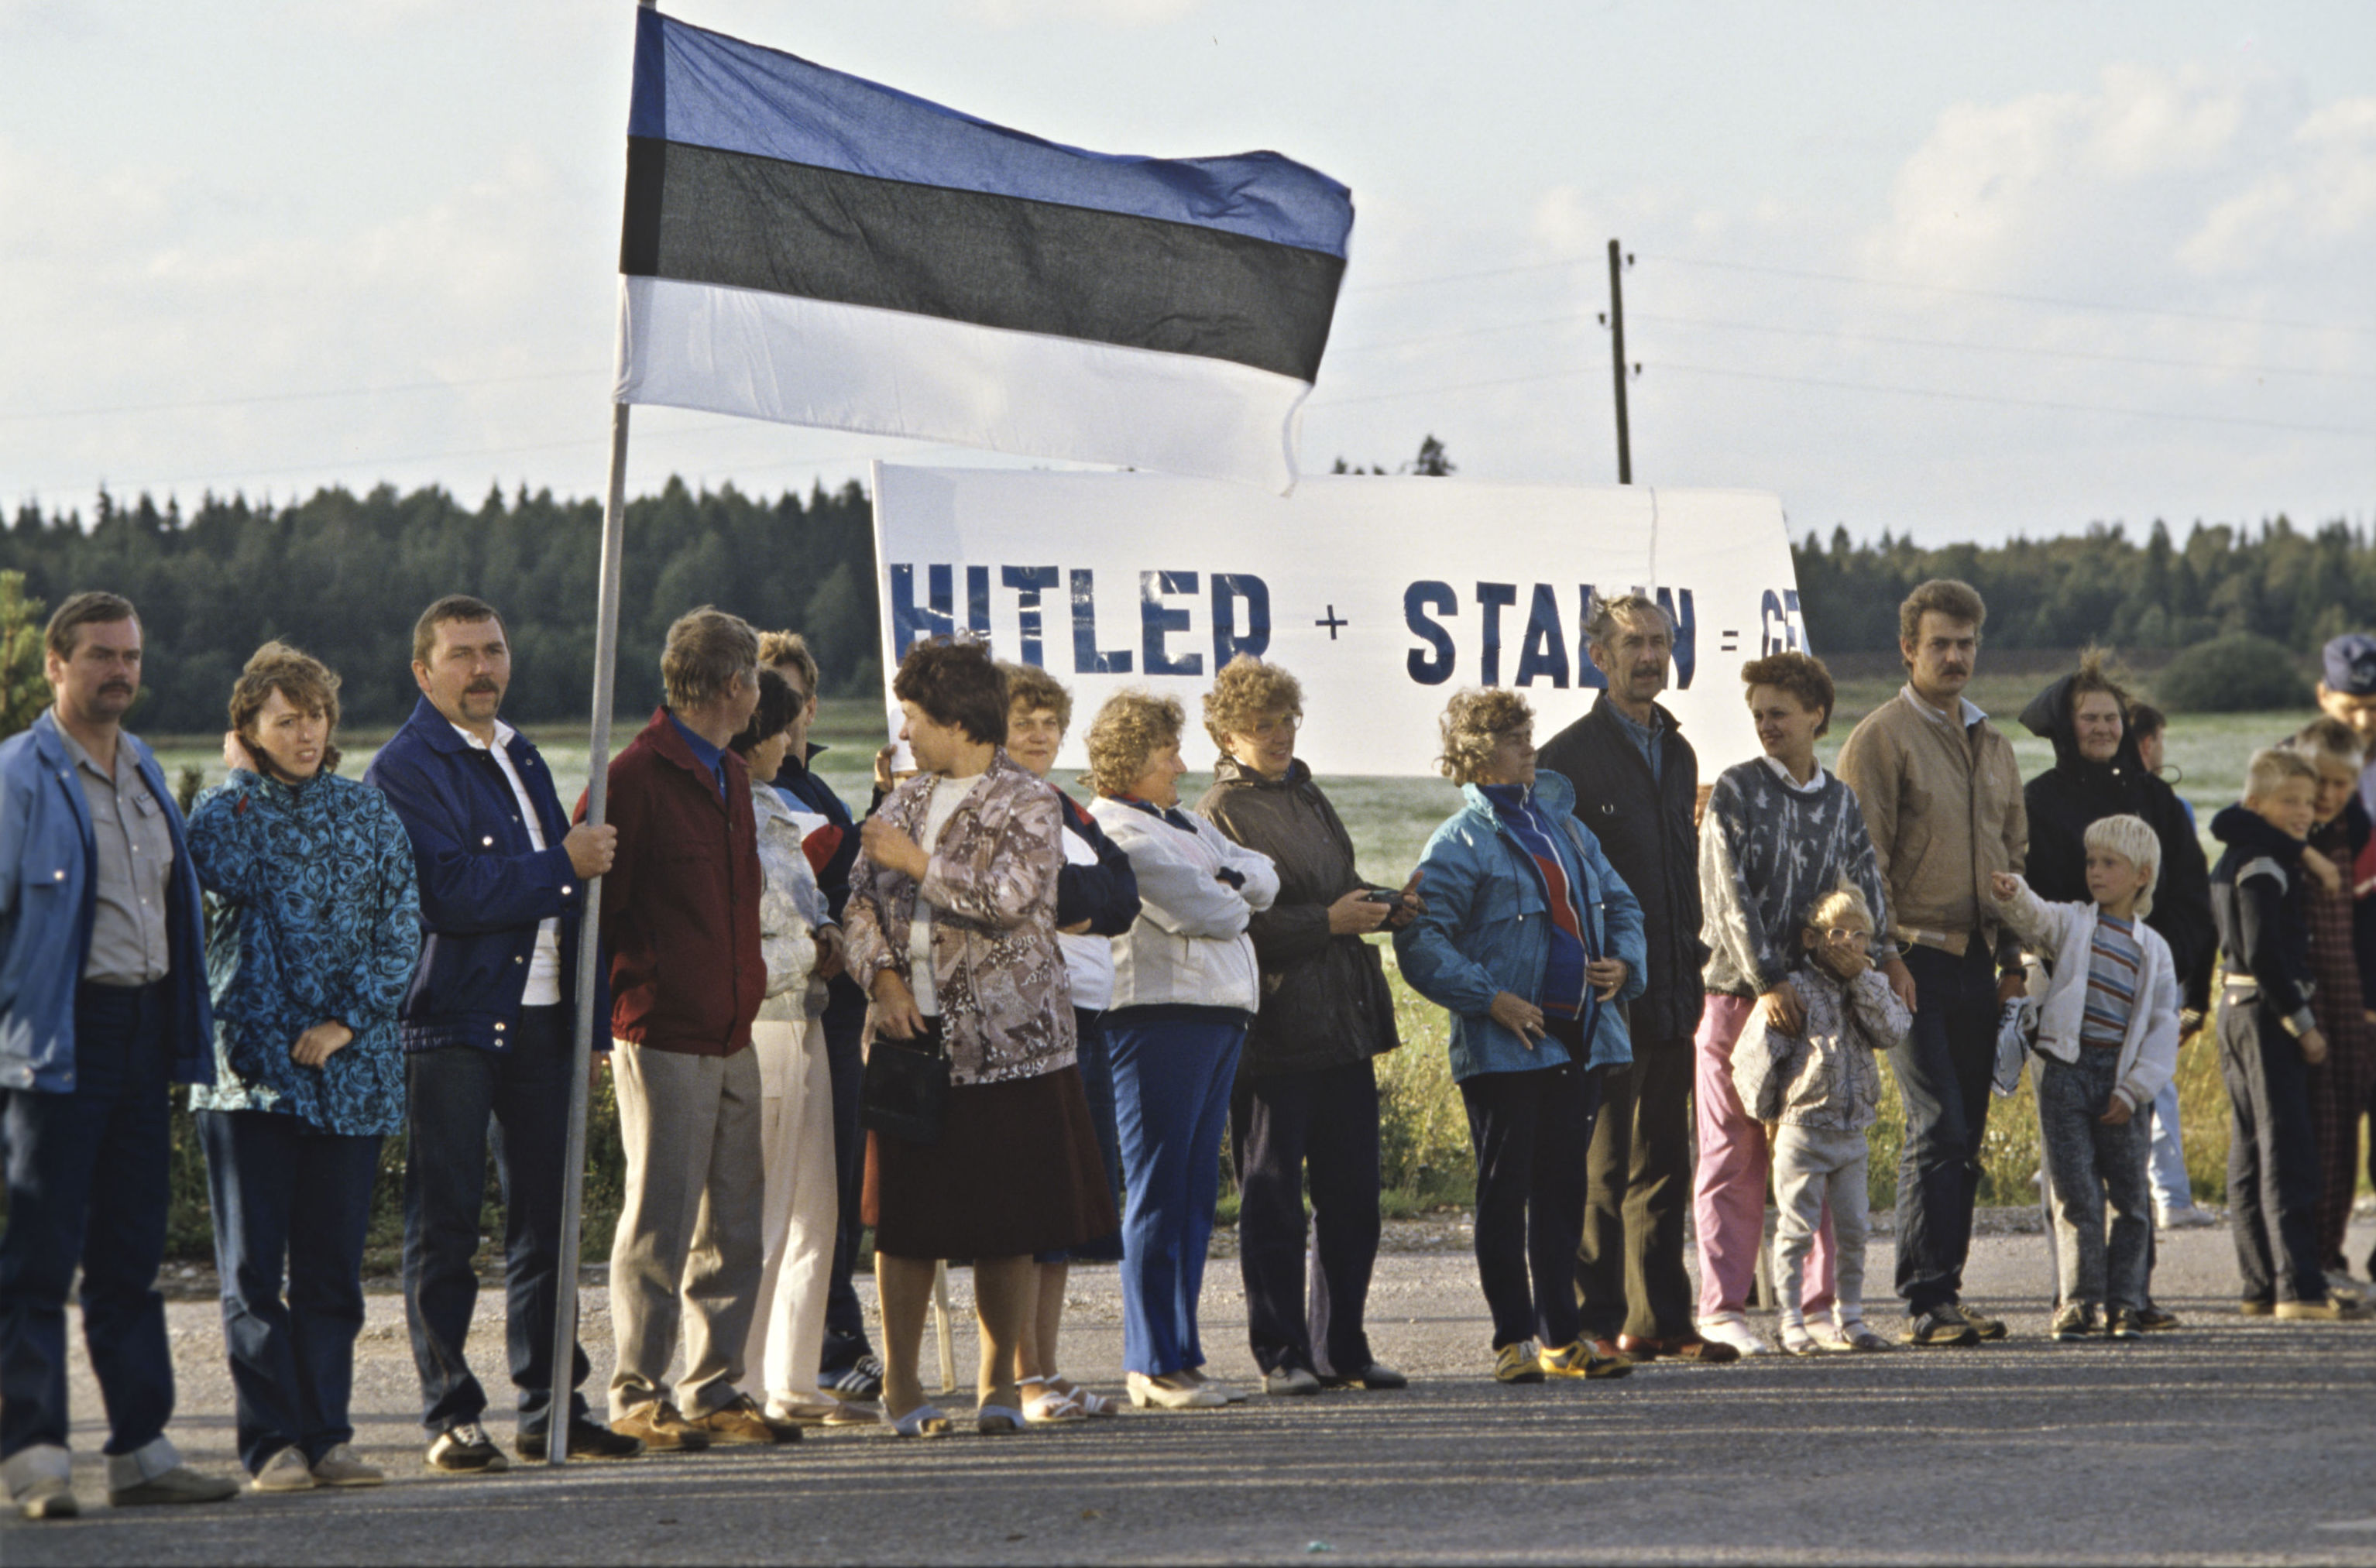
(1966, 271)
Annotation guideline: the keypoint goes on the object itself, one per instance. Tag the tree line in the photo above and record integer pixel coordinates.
(344, 576)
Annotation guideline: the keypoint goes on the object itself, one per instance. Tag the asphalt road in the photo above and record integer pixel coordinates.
(2227, 1442)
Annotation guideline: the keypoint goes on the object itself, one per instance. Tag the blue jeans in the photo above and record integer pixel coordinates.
(2173, 1190)
(1171, 1100)
(1096, 1059)
(845, 1320)
(453, 1090)
(286, 1192)
(1942, 1070)
(88, 1184)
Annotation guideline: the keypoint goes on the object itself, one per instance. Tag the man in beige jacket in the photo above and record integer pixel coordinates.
(1942, 798)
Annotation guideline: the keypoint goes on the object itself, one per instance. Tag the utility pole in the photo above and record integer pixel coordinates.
(1615, 319)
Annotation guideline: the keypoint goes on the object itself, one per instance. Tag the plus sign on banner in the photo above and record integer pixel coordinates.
(1382, 596)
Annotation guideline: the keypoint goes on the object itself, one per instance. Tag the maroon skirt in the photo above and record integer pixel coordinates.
(1016, 1171)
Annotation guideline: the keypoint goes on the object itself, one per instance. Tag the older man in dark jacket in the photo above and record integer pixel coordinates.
(1306, 1098)
(1636, 786)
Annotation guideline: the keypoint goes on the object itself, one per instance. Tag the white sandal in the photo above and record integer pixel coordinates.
(1092, 1405)
(1051, 1406)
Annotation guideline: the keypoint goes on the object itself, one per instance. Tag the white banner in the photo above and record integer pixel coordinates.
(1382, 596)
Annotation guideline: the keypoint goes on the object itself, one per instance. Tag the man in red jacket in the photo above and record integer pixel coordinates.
(681, 920)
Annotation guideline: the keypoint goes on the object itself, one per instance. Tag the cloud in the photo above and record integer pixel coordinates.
(2321, 196)
(1106, 13)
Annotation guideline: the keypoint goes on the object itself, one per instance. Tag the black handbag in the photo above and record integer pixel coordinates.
(907, 1086)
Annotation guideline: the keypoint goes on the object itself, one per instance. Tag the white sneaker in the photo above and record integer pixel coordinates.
(343, 1467)
(285, 1471)
(1733, 1331)
(1172, 1391)
(2193, 1216)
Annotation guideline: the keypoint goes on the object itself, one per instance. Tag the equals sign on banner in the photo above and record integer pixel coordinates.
(1727, 641)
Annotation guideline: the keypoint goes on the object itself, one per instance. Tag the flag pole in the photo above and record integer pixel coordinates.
(562, 1398)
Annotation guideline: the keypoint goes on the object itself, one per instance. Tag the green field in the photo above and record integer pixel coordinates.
(1425, 1134)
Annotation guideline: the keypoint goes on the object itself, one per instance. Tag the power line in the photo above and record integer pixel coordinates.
(2017, 402)
(2056, 301)
(2018, 299)
(2003, 348)
(291, 396)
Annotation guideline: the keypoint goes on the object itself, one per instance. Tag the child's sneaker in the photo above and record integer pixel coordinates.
(2125, 1322)
(1937, 1328)
(2074, 1321)
(1517, 1363)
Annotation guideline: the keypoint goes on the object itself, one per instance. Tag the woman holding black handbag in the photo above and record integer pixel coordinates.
(952, 925)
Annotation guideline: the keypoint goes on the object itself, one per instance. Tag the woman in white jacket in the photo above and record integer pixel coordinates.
(2108, 1039)
(1185, 987)
(796, 1089)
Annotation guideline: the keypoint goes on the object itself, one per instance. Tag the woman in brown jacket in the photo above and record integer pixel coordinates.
(952, 927)
(1306, 1096)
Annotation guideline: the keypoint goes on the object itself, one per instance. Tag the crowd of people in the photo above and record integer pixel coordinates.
(998, 1026)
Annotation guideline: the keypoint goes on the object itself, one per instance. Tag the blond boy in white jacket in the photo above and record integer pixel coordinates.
(2107, 1044)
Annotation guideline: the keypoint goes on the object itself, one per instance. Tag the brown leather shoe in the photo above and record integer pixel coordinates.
(1681, 1347)
(743, 1422)
(661, 1429)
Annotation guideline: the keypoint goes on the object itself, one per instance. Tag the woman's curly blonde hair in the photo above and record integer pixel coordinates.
(1129, 729)
(1247, 690)
(1474, 723)
(309, 685)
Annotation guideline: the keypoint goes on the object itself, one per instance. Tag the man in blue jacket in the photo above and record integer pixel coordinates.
(486, 1032)
(102, 1006)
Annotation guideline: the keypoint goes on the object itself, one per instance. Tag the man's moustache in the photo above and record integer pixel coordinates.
(479, 686)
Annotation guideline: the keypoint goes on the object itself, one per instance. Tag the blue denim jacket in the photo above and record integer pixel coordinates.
(49, 870)
(1487, 930)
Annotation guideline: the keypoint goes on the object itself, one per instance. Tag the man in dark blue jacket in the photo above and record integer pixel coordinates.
(102, 1005)
(850, 1370)
(487, 1031)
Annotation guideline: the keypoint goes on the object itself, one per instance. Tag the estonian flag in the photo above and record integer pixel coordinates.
(804, 246)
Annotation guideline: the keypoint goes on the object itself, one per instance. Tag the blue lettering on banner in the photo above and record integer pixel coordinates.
(911, 625)
(978, 601)
(1088, 659)
(1029, 583)
(1544, 651)
(1491, 598)
(1686, 625)
(1157, 622)
(1587, 674)
(1229, 589)
(1780, 627)
(1429, 670)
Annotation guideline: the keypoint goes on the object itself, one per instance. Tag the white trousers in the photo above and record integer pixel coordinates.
(802, 1212)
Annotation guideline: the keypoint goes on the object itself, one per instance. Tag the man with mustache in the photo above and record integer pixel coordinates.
(487, 1032)
(1943, 801)
(1636, 786)
(102, 1005)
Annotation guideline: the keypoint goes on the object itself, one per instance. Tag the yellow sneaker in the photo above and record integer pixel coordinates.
(1579, 1361)
(1517, 1363)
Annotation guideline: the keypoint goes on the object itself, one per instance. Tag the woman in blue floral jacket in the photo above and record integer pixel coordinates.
(313, 930)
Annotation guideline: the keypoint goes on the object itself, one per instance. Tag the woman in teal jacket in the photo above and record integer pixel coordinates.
(315, 930)
(1533, 945)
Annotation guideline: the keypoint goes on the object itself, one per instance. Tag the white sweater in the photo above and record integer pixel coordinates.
(2064, 934)
(1189, 945)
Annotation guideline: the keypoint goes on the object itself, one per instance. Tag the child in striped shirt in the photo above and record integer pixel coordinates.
(2107, 1043)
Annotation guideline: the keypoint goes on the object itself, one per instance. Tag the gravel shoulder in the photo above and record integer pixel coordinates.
(2227, 1442)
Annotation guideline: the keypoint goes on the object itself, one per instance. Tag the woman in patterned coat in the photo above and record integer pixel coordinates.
(952, 926)
(313, 930)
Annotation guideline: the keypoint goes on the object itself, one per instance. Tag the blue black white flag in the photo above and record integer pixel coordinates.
(805, 246)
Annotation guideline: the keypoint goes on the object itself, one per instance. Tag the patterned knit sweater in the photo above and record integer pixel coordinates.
(1768, 853)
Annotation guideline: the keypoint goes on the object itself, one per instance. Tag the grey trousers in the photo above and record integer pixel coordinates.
(1814, 1166)
(2088, 1163)
(690, 1246)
